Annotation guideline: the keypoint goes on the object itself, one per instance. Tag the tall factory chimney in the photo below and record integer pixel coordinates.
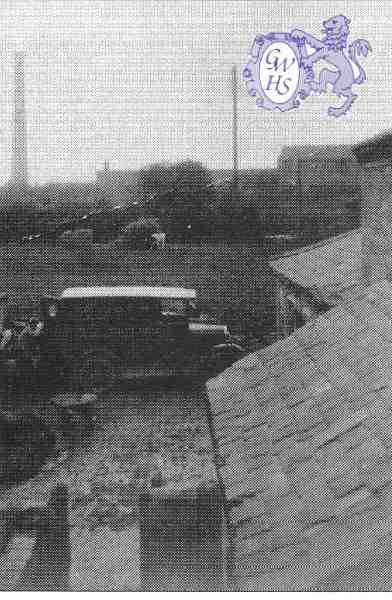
(19, 165)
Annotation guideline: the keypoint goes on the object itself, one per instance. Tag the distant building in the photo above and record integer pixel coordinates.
(313, 279)
(302, 427)
(308, 166)
(321, 184)
(375, 158)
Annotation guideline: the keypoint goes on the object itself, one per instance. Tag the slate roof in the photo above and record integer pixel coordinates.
(304, 445)
(320, 152)
(330, 270)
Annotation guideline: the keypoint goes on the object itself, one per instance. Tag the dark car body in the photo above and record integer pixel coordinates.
(93, 333)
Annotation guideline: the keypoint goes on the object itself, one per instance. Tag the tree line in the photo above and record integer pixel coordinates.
(191, 205)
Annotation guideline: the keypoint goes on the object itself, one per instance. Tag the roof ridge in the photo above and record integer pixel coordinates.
(317, 145)
(318, 244)
(321, 150)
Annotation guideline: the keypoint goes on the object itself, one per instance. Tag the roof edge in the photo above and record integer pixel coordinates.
(374, 149)
(310, 247)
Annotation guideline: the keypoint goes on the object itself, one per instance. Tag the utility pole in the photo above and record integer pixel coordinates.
(235, 133)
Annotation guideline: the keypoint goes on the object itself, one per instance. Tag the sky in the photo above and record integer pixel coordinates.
(136, 82)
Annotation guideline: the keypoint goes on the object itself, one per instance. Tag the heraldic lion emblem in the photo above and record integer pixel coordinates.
(331, 48)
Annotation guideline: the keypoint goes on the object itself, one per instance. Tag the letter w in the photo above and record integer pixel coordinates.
(275, 62)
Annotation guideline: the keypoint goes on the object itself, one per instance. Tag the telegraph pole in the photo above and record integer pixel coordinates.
(235, 132)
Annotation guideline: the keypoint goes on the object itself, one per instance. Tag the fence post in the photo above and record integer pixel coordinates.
(49, 565)
(180, 539)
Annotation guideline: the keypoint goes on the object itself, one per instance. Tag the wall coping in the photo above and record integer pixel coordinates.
(374, 150)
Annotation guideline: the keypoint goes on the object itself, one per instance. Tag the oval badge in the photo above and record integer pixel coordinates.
(275, 74)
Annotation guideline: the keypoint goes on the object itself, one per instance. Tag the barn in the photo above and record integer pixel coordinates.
(303, 427)
(303, 432)
(311, 280)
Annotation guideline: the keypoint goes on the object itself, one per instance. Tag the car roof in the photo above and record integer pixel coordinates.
(128, 291)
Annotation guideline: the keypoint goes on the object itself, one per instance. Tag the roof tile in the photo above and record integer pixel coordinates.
(321, 510)
(262, 562)
(249, 508)
(351, 499)
(255, 526)
(368, 449)
(377, 477)
(340, 426)
(347, 483)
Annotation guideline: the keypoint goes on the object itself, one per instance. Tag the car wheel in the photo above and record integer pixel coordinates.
(95, 371)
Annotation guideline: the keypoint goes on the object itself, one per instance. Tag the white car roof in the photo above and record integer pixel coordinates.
(128, 291)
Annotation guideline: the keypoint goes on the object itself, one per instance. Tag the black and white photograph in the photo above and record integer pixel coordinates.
(195, 296)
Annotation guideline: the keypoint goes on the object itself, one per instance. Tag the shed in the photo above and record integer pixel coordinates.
(303, 433)
(311, 165)
(311, 280)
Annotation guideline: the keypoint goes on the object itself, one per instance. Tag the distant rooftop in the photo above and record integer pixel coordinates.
(303, 431)
(330, 269)
(321, 152)
(374, 149)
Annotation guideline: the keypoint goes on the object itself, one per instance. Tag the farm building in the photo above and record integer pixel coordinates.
(375, 158)
(303, 427)
(304, 439)
(322, 185)
(311, 280)
(308, 166)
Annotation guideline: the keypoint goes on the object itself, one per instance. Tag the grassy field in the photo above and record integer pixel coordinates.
(234, 282)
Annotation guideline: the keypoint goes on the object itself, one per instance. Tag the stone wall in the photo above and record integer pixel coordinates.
(181, 539)
(375, 158)
(35, 550)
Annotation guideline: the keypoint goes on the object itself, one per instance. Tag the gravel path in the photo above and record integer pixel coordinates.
(159, 432)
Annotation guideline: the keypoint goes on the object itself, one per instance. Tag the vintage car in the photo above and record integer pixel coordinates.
(92, 335)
